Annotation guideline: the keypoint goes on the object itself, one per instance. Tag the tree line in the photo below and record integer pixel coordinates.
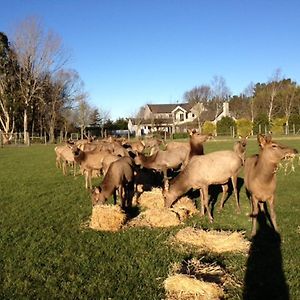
(38, 94)
(274, 104)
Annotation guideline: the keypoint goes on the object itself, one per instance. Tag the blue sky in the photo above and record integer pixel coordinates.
(133, 52)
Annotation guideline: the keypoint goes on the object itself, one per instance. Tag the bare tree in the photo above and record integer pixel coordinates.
(274, 87)
(200, 93)
(38, 53)
(249, 93)
(83, 113)
(220, 92)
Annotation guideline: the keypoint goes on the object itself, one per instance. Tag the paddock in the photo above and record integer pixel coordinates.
(46, 249)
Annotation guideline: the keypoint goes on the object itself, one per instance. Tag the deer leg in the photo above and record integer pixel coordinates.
(224, 191)
(115, 195)
(165, 180)
(272, 213)
(64, 167)
(88, 179)
(205, 202)
(201, 203)
(254, 214)
(234, 184)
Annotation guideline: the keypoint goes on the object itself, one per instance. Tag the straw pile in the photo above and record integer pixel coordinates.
(107, 218)
(156, 217)
(213, 241)
(152, 199)
(181, 286)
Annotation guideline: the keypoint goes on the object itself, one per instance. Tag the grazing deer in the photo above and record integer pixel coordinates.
(260, 176)
(119, 177)
(201, 171)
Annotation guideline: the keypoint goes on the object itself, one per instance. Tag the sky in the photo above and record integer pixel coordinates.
(132, 52)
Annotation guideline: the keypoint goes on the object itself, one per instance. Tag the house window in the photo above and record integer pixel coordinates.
(181, 117)
(186, 115)
(193, 115)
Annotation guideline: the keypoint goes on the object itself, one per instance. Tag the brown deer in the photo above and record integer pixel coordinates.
(201, 171)
(64, 157)
(239, 148)
(119, 177)
(89, 161)
(161, 161)
(260, 176)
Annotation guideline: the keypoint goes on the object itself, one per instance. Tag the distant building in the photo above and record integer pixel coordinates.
(172, 117)
(225, 113)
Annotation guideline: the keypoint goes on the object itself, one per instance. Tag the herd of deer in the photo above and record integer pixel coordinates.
(184, 166)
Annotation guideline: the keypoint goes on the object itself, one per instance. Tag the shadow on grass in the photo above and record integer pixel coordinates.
(264, 278)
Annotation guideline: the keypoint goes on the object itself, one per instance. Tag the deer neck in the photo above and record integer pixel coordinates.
(266, 170)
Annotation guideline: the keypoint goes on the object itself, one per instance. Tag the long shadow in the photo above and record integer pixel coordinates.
(264, 278)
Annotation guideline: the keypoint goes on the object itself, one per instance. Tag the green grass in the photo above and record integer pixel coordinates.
(46, 253)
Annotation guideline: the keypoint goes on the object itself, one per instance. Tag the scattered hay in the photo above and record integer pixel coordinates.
(213, 241)
(156, 217)
(181, 286)
(287, 164)
(152, 199)
(107, 218)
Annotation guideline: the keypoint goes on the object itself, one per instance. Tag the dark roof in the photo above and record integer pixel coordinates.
(167, 108)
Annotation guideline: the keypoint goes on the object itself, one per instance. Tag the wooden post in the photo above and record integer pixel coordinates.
(45, 138)
(294, 128)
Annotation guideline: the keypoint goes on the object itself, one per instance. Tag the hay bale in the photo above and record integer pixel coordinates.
(213, 241)
(156, 217)
(187, 204)
(181, 286)
(152, 199)
(107, 218)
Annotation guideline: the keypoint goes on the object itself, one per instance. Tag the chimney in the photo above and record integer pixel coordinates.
(226, 109)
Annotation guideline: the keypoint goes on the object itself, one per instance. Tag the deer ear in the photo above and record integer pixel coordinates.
(261, 140)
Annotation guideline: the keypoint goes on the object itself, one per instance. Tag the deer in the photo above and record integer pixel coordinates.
(260, 176)
(119, 176)
(239, 148)
(161, 161)
(64, 156)
(200, 172)
(88, 161)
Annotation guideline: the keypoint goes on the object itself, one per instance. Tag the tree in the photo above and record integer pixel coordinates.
(197, 97)
(220, 92)
(8, 89)
(39, 54)
(273, 88)
(83, 113)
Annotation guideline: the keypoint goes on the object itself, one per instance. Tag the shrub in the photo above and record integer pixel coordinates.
(208, 128)
(225, 125)
(277, 125)
(244, 127)
(260, 124)
(180, 135)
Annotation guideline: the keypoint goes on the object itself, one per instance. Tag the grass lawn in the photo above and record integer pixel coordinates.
(46, 252)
